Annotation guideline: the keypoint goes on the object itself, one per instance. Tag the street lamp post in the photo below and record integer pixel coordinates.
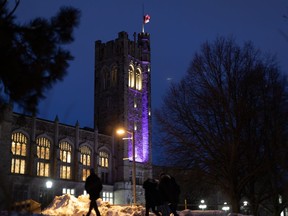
(48, 195)
(122, 131)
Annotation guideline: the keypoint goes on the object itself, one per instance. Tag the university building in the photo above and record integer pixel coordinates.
(41, 158)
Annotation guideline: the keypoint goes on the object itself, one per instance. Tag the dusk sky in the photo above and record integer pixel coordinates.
(177, 30)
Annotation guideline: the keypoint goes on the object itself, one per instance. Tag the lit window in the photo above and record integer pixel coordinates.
(42, 169)
(107, 197)
(19, 153)
(131, 76)
(65, 152)
(85, 159)
(103, 159)
(18, 166)
(43, 154)
(135, 102)
(138, 79)
(68, 191)
(65, 158)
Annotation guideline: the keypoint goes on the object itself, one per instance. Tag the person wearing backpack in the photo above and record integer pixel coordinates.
(93, 186)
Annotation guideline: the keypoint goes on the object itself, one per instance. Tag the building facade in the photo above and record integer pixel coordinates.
(36, 153)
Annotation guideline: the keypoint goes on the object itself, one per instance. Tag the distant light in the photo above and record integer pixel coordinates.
(280, 199)
(49, 184)
(225, 208)
(245, 203)
(168, 78)
(202, 205)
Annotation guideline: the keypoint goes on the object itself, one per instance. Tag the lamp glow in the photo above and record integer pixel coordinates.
(202, 205)
(49, 184)
(120, 131)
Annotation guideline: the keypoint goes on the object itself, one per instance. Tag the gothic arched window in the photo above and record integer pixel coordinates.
(85, 159)
(43, 154)
(138, 79)
(65, 158)
(103, 159)
(19, 153)
(131, 76)
(104, 166)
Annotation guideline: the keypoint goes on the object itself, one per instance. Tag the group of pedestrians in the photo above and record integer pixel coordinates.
(160, 195)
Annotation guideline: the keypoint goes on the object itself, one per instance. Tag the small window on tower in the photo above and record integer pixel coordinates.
(135, 103)
(131, 80)
(138, 79)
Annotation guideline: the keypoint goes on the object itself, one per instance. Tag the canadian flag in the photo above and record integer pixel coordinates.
(146, 18)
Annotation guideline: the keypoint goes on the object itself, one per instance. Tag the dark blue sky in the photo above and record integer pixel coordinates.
(177, 29)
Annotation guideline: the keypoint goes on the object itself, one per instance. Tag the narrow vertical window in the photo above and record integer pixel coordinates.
(65, 158)
(103, 159)
(131, 76)
(43, 154)
(138, 79)
(104, 164)
(19, 153)
(85, 159)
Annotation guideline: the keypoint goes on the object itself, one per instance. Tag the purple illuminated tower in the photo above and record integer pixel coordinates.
(123, 99)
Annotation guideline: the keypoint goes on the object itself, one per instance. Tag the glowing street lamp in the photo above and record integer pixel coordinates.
(225, 208)
(202, 205)
(121, 132)
(49, 184)
(245, 203)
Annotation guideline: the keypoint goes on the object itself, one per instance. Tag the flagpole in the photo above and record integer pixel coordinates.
(143, 18)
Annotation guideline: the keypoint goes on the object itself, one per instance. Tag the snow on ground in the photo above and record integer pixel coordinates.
(68, 205)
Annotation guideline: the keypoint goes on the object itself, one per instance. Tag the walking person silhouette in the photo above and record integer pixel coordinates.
(93, 186)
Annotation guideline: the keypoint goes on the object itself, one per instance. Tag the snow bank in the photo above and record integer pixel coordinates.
(68, 205)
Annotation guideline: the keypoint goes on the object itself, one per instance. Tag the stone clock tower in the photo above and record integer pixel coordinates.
(122, 98)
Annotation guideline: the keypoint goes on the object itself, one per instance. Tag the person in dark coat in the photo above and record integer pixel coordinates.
(93, 186)
(152, 196)
(170, 191)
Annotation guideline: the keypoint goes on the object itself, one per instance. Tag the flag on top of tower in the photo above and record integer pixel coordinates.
(146, 18)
